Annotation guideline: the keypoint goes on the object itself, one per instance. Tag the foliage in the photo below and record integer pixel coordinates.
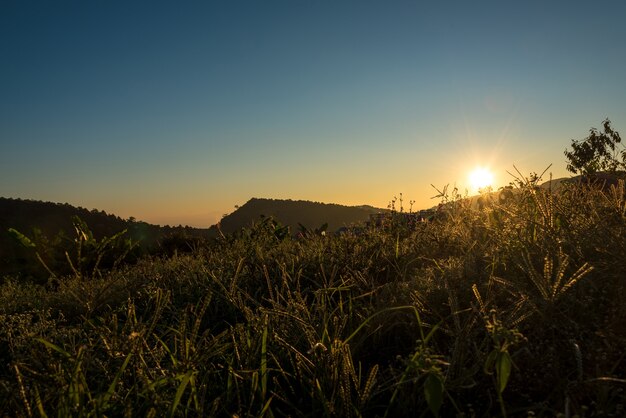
(50, 227)
(511, 308)
(89, 254)
(600, 151)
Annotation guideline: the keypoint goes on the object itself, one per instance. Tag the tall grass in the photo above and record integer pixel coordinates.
(515, 308)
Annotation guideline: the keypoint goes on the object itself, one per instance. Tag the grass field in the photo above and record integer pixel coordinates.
(516, 309)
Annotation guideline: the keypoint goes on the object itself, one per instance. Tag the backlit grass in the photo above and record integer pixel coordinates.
(510, 309)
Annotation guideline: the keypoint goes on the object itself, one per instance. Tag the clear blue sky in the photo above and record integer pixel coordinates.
(174, 112)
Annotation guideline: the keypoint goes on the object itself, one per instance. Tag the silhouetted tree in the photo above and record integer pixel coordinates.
(597, 152)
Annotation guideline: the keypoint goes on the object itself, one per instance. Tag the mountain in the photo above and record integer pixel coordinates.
(51, 218)
(51, 224)
(602, 179)
(294, 212)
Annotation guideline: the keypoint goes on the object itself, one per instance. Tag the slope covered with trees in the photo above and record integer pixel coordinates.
(293, 213)
(52, 228)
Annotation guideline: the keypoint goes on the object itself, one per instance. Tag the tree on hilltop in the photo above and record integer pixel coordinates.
(600, 151)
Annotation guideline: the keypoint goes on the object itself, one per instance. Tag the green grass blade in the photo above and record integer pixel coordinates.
(39, 404)
(184, 380)
(109, 393)
(53, 347)
(264, 359)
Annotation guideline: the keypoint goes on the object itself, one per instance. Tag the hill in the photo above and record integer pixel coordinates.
(293, 212)
(52, 224)
(603, 179)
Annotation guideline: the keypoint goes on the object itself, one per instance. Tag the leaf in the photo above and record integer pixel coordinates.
(489, 363)
(111, 390)
(82, 230)
(433, 391)
(503, 370)
(184, 380)
(264, 360)
(266, 408)
(42, 412)
(21, 238)
(53, 347)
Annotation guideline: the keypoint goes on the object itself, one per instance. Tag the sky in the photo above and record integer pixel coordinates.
(175, 112)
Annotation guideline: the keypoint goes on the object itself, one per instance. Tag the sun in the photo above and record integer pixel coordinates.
(480, 178)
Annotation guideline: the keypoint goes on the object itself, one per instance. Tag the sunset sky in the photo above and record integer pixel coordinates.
(174, 112)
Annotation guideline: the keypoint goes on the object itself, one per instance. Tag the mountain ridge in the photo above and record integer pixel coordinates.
(294, 213)
(47, 222)
(50, 224)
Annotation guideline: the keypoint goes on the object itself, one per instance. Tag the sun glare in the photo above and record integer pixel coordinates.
(480, 178)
